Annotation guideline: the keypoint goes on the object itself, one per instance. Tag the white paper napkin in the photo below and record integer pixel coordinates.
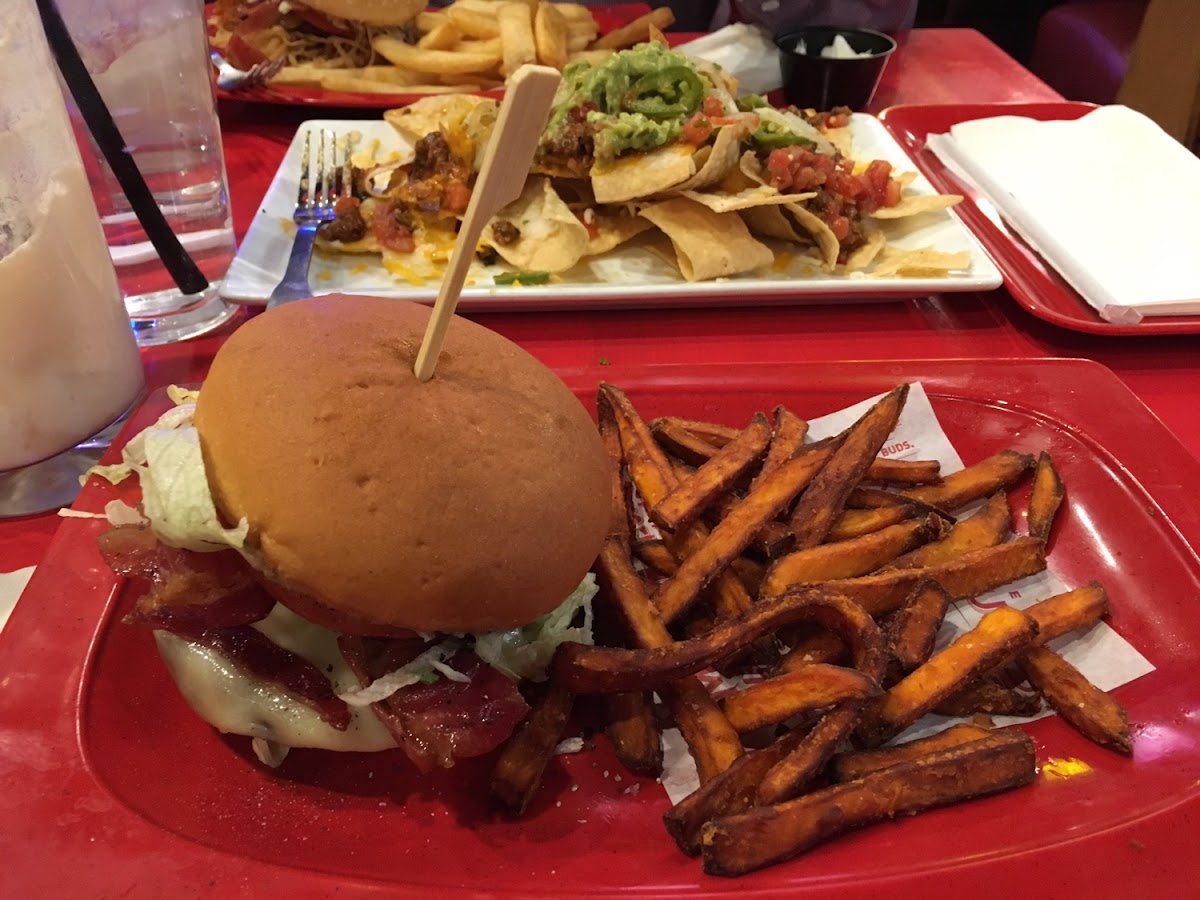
(745, 51)
(1109, 200)
(11, 586)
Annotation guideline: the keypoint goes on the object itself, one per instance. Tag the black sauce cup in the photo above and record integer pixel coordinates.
(811, 80)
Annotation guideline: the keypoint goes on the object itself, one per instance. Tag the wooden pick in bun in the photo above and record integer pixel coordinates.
(472, 502)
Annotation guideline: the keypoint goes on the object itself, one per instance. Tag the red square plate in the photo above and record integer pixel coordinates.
(1033, 283)
(109, 786)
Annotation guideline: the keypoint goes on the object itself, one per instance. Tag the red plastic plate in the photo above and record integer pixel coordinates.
(108, 784)
(1033, 283)
(608, 18)
(295, 95)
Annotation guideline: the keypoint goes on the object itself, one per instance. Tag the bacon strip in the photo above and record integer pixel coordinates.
(257, 655)
(436, 724)
(189, 591)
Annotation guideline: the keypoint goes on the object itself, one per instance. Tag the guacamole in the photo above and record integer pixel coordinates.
(639, 97)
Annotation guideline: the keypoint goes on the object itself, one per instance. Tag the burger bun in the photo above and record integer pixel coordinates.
(370, 12)
(472, 502)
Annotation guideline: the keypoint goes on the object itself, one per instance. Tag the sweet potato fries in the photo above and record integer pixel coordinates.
(822, 575)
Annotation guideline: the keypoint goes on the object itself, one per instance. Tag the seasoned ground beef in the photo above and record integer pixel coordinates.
(432, 156)
(505, 233)
(573, 145)
(347, 224)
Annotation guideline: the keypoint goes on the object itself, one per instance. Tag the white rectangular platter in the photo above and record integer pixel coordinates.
(629, 277)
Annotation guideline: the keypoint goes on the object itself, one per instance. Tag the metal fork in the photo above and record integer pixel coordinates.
(323, 181)
(231, 78)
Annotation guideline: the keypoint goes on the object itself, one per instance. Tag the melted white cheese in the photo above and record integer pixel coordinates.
(236, 704)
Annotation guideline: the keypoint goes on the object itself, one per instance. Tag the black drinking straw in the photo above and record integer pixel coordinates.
(182, 268)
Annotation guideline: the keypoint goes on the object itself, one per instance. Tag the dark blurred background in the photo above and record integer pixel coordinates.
(1012, 24)
(1081, 48)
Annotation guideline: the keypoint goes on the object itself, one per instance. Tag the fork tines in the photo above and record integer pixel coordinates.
(324, 176)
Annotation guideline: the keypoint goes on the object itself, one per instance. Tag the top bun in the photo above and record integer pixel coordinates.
(475, 501)
(372, 12)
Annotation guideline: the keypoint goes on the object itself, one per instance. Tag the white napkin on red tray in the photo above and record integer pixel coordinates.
(11, 586)
(1110, 200)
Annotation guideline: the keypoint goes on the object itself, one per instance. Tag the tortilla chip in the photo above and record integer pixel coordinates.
(841, 138)
(576, 192)
(643, 174)
(561, 171)
(707, 244)
(552, 238)
(757, 195)
(736, 181)
(751, 167)
(612, 231)
(721, 159)
(772, 222)
(827, 242)
(437, 112)
(367, 244)
(865, 255)
(658, 244)
(915, 204)
(920, 263)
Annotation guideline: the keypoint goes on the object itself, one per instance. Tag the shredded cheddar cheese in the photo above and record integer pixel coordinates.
(402, 271)
(1058, 769)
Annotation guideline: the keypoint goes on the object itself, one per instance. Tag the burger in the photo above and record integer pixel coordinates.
(323, 33)
(339, 556)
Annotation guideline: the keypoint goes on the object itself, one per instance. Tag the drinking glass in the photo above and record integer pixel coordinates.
(150, 63)
(69, 366)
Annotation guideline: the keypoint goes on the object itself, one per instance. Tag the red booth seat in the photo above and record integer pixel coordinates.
(1082, 48)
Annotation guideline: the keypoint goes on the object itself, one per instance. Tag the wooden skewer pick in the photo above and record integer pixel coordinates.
(523, 113)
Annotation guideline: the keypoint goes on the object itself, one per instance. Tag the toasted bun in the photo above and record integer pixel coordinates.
(372, 12)
(475, 501)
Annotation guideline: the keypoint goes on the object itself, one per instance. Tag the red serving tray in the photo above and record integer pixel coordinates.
(608, 18)
(110, 786)
(1033, 282)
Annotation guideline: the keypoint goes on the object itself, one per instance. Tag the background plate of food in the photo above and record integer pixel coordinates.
(376, 54)
(653, 184)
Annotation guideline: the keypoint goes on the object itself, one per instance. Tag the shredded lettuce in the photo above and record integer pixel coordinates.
(118, 472)
(175, 496)
(526, 652)
(114, 474)
(181, 395)
(424, 668)
(118, 512)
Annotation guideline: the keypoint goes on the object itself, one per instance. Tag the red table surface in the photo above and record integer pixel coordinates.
(931, 66)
